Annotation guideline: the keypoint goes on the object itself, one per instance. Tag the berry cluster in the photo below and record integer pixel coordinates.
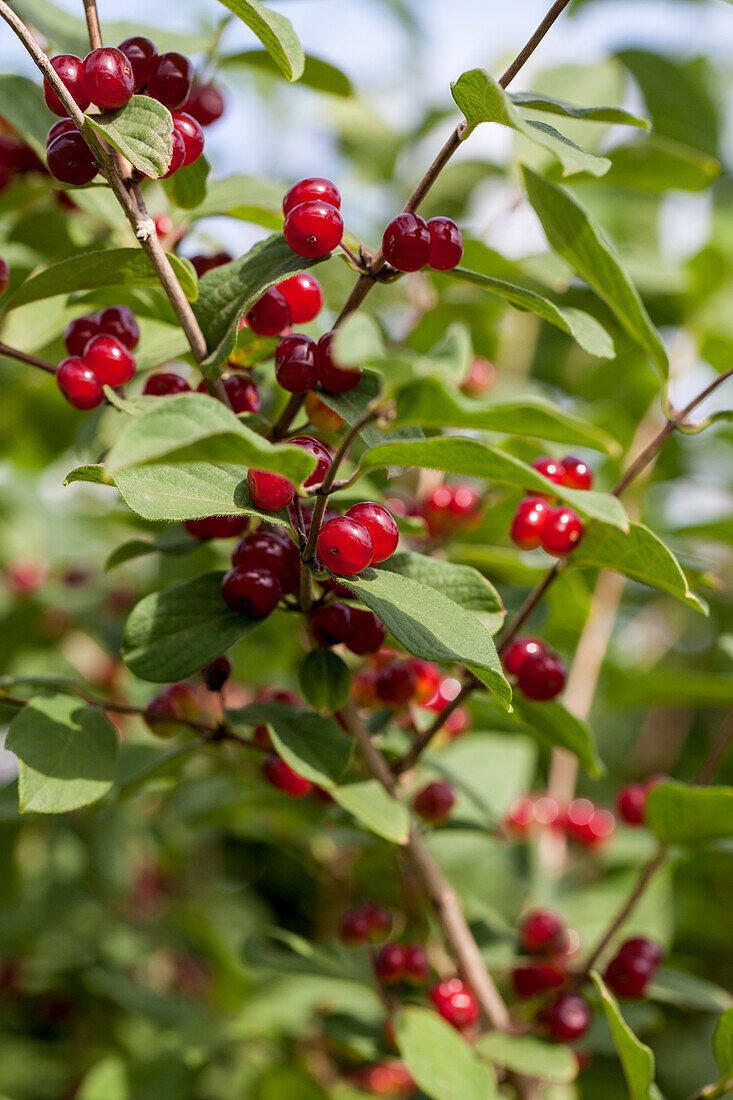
(536, 522)
(633, 967)
(100, 349)
(339, 624)
(313, 225)
(539, 673)
(265, 567)
(580, 820)
(409, 243)
(300, 363)
(395, 680)
(296, 300)
(243, 394)
(543, 935)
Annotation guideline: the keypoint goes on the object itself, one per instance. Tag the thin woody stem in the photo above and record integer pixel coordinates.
(26, 357)
(647, 874)
(92, 17)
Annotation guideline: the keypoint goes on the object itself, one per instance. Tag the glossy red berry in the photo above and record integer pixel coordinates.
(79, 384)
(520, 816)
(216, 527)
(270, 551)
(562, 531)
(304, 297)
(631, 803)
(549, 468)
(170, 79)
(282, 776)
(202, 264)
(331, 624)
(321, 453)
(192, 134)
(205, 103)
(216, 673)
(395, 683)
(354, 927)
(541, 676)
(110, 360)
(518, 650)
(4, 275)
(446, 244)
(390, 963)
(251, 592)
(576, 473)
(435, 802)
(178, 154)
(406, 243)
(295, 363)
(450, 505)
(416, 965)
(567, 1017)
(543, 932)
(428, 679)
(68, 68)
(70, 160)
(270, 492)
(63, 126)
(628, 975)
(455, 1002)
(142, 55)
(78, 334)
(641, 947)
(528, 981)
(119, 321)
(528, 522)
(312, 189)
(381, 526)
(108, 78)
(270, 314)
(244, 394)
(367, 632)
(164, 712)
(313, 229)
(334, 377)
(165, 384)
(344, 546)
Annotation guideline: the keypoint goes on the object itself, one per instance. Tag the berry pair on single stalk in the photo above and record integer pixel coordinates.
(338, 624)
(167, 77)
(409, 243)
(300, 363)
(536, 523)
(397, 963)
(100, 355)
(540, 674)
(272, 492)
(265, 567)
(368, 923)
(434, 803)
(570, 472)
(294, 301)
(366, 535)
(449, 507)
(633, 967)
(313, 225)
(456, 1003)
(587, 824)
(117, 321)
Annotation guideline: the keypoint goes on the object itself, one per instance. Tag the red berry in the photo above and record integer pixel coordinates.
(170, 79)
(78, 334)
(163, 713)
(529, 522)
(588, 824)
(216, 527)
(641, 947)
(205, 103)
(449, 505)
(192, 134)
(4, 275)
(380, 921)
(178, 154)
(321, 452)
(119, 321)
(601, 827)
(367, 632)
(631, 803)
(304, 297)
(390, 963)
(333, 377)
(562, 531)
(517, 652)
(216, 673)
(108, 78)
(270, 492)
(70, 160)
(313, 189)
(142, 55)
(447, 688)
(164, 384)
(543, 932)
(344, 546)
(455, 1002)
(331, 624)
(270, 314)
(435, 802)
(202, 264)
(79, 384)
(628, 975)
(428, 678)
(387, 1079)
(243, 393)
(251, 592)
(567, 1017)
(406, 243)
(354, 927)
(282, 776)
(520, 816)
(541, 676)
(63, 126)
(313, 229)
(395, 683)
(528, 981)
(295, 363)
(446, 244)
(381, 527)
(270, 551)
(576, 473)
(480, 379)
(550, 469)
(416, 965)
(68, 68)
(110, 360)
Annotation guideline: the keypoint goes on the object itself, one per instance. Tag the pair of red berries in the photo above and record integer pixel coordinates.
(536, 523)
(540, 674)
(395, 680)
(366, 535)
(338, 624)
(368, 923)
(105, 77)
(313, 225)
(456, 1003)
(300, 363)
(633, 966)
(273, 492)
(542, 933)
(296, 300)
(243, 394)
(100, 355)
(631, 800)
(409, 243)
(434, 803)
(265, 567)
(397, 963)
(449, 506)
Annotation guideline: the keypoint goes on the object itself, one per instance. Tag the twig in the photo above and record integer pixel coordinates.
(647, 874)
(526, 52)
(718, 751)
(531, 603)
(280, 428)
(421, 742)
(92, 17)
(25, 357)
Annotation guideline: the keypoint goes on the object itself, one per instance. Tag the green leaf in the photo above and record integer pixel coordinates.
(680, 814)
(172, 633)
(482, 99)
(535, 101)
(558, 727)
(637, 1059)
(370, 804)
(318, 74)
(191, 490)
(175, 541)
(433, 404)
(430, 625)
(314, 745)
(678, 96)
(657, 165)
(92, 473)
(575, 235)
(471, 458)
(324, 679)
(187, 187)
(23, 107)
(529, 1055)
(275, 32)
(67, 753)
(686, 991)
(116, 267)
(227, 292)
(141, 131)
(255, 200)
(441, 1061)
(639, 555)
(723, 1044)
(106, 1080)
(461, 583)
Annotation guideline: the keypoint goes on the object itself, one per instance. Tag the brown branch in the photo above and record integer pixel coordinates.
(718, 751)
(92, 17)
(421, 742)
(647, 874)
(25, 357)
(526, 52)
(280, 428)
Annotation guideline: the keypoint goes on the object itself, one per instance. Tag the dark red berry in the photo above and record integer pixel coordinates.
(79, 384)
(549, 468)
(63, 126)
(4, 275)
(270, 492)
(543, 932)
(244, 394)
(367, 632)
(631, 803)
(202, 264)
(304, 297)
(435, 802)
(142, 55)
(519, 650)
(416, 965)
(641, 947)
(170, 80)
(567, 1017)
(321, 452)
(78, 334)
(390, 963)
(333, 377)
(542, 676)
(216, 527)
(270, 314)
(205, 103)
(313, 229)
(406, 243)
(576, 473)
(216, 673)
(68, 68)
(251, 592)
(395, 683)
(562, 531)
(528, 981)
(178, 154)
(354, 927)
(344, 546)
(108, 78)
(282, 776)
(295, 363)
(267, 550)
(380, 921)
(165, 383)
(110, 360)
(446, 244)
(529, 521)
(331, 624)
(192, 134)
(70, 160)
(628, 975)
(313, 189)
(455, 1002)
(119, 321)
(381, 526)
